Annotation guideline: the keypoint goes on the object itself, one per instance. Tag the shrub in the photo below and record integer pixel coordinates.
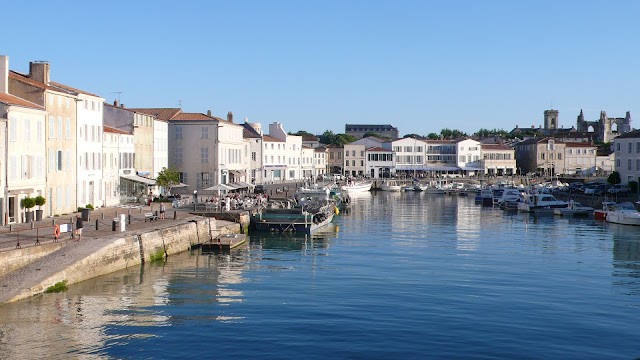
(28, 203)
(89, 206)
(40, 200)
(633, 185)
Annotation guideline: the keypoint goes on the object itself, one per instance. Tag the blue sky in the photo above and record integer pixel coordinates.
(316, 65)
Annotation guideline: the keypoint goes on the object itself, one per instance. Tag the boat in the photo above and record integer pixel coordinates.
(311, 209)
(623, 213)
(357, 186)
(574, 209)
(224, 242)
(486, 196)
(509, 197)
(420, 187)
(408, 188)
(390, 185)
(601, 214)
(541, 203)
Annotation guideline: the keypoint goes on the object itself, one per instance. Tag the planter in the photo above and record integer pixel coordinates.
(28, 216)
(39, 215)
(85, 214)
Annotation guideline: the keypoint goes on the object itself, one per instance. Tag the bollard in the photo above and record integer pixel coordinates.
(129, 220)
(53, 222)
(113, 224)
(10, 227)
(102, 216)
(116, 213)
(96, 224)
(175, 214)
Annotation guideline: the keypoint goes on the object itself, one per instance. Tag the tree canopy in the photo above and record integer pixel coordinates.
(329, 138)
(168, 178)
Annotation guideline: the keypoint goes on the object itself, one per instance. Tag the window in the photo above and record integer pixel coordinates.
(617, 146)
(59, 160)
(13, 129)
(253, 155)
(204, 155)
(628, 164)
(205, 132)
(630, 148)
(178, 132)
(204, 179)
(52, 127)
(27, 130)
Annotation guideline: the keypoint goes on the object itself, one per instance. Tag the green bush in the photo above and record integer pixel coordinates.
(633, 185)
(40, 200)
(28, 203)
(89, 206)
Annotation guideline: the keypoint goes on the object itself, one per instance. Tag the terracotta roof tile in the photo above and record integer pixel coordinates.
(14, 100)
(110, 129)
(270, 139)
(496, 147)
(53, 86)
(579, 144)
(378, 149)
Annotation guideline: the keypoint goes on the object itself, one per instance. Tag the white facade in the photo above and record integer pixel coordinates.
(320, 156)
(579, 158)
(354, 160)
(498, 160)
(160, 146)
(307, 164)
(380, 163)
(409, 154)
(253, 135)
(292, 151)
(627, 154)
(275, 159)
(117, 149)
(232, 152)
(89, 154)
(469, 153)
(26, 152)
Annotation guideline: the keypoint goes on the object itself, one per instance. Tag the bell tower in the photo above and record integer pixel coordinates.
(551, 120)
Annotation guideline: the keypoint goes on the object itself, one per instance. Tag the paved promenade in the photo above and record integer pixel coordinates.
(72, 251)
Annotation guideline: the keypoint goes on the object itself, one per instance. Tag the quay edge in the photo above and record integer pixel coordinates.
(74, 262)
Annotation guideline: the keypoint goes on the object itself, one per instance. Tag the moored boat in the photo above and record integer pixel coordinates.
(390, 185)
(357, 186)
(574, 209)
(541, 203)
(624, 213)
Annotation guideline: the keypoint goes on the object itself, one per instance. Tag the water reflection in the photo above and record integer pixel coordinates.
(626, 257)
(83, 320)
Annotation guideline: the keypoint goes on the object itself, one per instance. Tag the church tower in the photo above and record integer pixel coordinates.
(551, 120)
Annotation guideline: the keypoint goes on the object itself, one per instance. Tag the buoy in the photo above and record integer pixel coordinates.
(56, 232)
(336, 210)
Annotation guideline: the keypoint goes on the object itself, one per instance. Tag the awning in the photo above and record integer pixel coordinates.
(244, 184)
(140, 179)
(180, 185)
(441, 168)
(20, 191)
(219, 187)
(240, 185)
(471, 168)
(275, 166)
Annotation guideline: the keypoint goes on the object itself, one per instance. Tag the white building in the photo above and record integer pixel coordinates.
(114, 145)
(160, 146)
(253, 134)
(380, 163)
(89, 154)
(354, 158)
(306, 162)
(24, 150)
(627, 154)
(409, 155)
(579, 158)
(469, 154)
(292, 151)
(498, 160)
(275, 159)
(320, 164)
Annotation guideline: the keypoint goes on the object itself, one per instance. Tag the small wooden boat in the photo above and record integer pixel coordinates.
(224, 242)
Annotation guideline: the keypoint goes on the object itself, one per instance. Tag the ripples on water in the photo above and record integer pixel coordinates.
(402, 275)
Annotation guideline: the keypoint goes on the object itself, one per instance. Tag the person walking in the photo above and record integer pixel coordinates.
(79, 227)
(162, 211)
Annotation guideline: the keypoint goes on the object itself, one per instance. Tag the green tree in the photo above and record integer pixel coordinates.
(306, 136)
(328, 137)
(168, 178)
(433, 136)
(414, 136)
(614, 178)
(345, 139)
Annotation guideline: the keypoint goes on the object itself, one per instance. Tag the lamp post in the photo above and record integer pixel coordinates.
(195, 199)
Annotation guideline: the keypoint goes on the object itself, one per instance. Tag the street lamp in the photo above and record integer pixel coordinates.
(195, 199)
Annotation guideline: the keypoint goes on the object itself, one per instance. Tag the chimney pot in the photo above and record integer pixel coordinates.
(115, 103)
(230, 116)
(208, 112)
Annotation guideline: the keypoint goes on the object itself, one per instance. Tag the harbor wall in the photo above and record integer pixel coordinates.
(17, 258)
(118, 253)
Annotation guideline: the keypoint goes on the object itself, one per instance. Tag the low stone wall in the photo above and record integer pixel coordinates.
(12, 260)
(118, 253)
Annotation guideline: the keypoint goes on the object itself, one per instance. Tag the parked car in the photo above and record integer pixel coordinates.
(595, 189)
(259, 189)
(619, 189)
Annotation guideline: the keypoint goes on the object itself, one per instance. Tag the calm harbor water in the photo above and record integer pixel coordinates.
(401, 276)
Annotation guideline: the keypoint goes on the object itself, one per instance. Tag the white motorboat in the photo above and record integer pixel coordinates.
(420, 187)
(390, 185)
(574, 209)
(541, 203)
(624, 213)
(357, 186)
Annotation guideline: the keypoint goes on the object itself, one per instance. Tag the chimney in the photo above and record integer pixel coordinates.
(230, 116)
(246, 120)
(208, 112)
(39, 71)
(122, 105)
(4, 74)
(115, 103)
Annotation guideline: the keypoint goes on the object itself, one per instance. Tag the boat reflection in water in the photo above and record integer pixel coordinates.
(294, 241)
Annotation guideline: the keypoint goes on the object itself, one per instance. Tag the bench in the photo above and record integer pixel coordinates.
(150, 217)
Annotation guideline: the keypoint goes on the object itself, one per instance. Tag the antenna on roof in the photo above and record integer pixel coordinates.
(117, 92)
(180, 103)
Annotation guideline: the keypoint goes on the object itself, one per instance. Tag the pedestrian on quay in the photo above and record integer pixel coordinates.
(162, 210)
(79, 227)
